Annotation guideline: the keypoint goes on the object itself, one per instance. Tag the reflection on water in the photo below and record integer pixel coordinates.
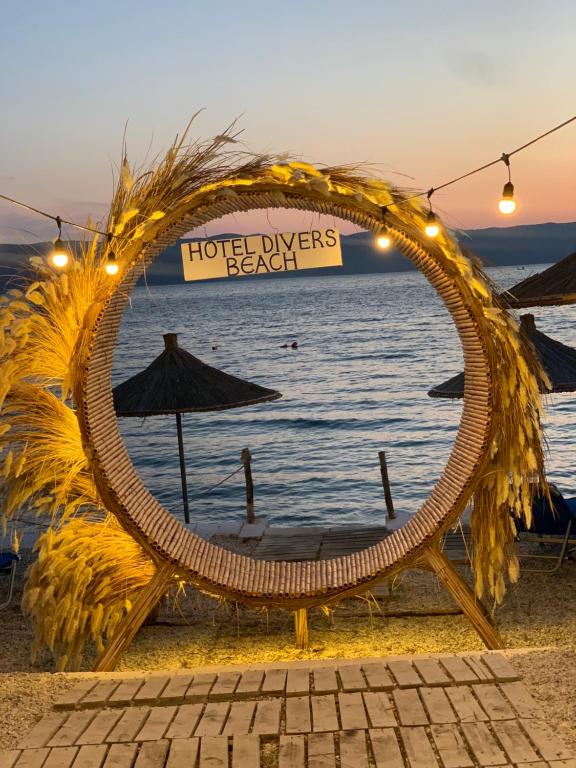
(370, 348)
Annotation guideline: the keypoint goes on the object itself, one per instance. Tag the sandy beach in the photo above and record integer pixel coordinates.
(537, 620)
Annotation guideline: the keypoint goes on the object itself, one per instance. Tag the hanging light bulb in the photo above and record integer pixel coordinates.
(59, 256)
(383, 239)
(432, 226)
(111, 266)
(507, 204)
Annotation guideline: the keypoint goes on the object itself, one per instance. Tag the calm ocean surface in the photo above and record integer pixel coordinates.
(371, 347)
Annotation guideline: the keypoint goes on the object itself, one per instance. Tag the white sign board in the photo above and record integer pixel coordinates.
(261, 254)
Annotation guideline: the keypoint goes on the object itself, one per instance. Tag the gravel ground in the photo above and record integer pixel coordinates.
(551, 677)
(26, 697)
(538, 612)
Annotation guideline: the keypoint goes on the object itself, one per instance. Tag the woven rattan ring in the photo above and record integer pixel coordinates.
(293, 585)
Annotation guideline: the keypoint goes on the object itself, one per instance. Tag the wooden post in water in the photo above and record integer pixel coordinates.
(246, 458)
(386, 485)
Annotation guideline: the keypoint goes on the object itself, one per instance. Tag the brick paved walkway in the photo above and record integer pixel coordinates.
(436, 712)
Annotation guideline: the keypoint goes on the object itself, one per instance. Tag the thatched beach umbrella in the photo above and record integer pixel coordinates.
(558, 360)
(176, 382)
(552, 287)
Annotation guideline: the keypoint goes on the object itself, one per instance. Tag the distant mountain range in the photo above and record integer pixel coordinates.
(495, 246)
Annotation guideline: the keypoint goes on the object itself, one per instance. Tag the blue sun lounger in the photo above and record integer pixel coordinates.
(552, 526)
(8, 561)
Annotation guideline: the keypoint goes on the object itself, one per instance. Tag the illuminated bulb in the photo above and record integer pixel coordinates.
(383, 241)
(507, 204)
(59, 256)
(111, 265)
(432, 227)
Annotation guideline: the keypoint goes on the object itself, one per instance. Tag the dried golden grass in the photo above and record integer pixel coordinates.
(86, 576)
(88, 568)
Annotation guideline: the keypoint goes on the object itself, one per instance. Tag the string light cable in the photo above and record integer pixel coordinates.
(60, 257)
(506, 206)
(59, 221)
(505, 158)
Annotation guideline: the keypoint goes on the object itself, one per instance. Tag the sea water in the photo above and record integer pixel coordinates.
(369, 349)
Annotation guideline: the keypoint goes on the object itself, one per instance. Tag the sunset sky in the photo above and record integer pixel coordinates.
(426, 89)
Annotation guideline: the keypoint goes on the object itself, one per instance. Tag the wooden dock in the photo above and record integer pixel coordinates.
(312, 543)
(450, 711)
(293, 543)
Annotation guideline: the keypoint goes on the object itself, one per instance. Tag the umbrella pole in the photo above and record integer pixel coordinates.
(182, 467)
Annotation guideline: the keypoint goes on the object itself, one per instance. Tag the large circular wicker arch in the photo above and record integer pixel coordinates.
(293, 585)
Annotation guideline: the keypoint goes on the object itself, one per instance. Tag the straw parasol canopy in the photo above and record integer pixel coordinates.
(176, 382)
(552, 287)
(558, 360)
